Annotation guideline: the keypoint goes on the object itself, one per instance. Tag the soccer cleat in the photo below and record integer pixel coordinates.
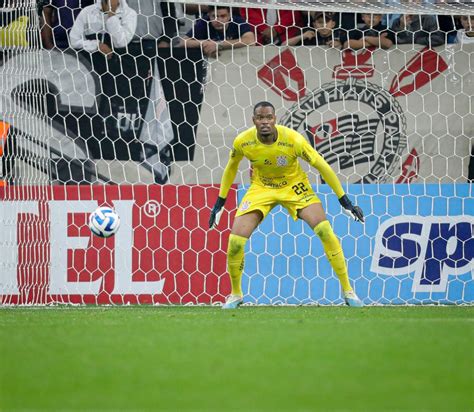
(233, 302)
(352, 300)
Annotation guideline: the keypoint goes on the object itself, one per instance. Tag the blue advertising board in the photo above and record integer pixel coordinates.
(416, 246)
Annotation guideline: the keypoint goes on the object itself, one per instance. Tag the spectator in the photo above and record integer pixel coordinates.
(323, 32)
(57, 20)
(448, 25)
(187, 14)
(389, 19)
(103, 26)
(219, 31)
(372, 34)
(466, 34)
(151, 22)
(172, 16)
(349, 21)
(273, 26)
(410, 28)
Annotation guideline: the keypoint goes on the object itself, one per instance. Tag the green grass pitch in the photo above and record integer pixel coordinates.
(251, 359)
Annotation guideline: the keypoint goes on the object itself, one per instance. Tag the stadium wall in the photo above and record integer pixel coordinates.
(162, 253)
(416, 246)
(412, 105)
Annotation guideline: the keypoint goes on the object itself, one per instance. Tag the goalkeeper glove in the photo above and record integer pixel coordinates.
(351, 210)
(216, 212)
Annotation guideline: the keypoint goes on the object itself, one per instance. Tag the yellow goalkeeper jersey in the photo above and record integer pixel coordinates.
(275, 166)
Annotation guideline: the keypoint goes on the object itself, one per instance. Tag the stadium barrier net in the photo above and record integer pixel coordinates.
(147, 129)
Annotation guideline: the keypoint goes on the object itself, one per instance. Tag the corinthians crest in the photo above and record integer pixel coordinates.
(357, 126)
(282, 161)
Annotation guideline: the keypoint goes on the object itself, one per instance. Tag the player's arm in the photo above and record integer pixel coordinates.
(228, 178)
(330, 177)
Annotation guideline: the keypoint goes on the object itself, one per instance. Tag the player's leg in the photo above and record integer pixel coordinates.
(315, 217)
(243, 227)
(253, 208)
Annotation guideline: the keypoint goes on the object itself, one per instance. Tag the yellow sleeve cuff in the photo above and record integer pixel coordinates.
(228, 177)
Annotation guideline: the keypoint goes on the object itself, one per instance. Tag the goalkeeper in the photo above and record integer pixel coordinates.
(277, 178)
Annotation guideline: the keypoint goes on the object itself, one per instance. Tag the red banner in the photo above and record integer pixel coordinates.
(162, 253)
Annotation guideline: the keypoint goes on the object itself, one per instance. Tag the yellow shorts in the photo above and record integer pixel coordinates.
(292, 197)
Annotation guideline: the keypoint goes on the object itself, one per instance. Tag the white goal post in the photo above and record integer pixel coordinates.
(147, 130)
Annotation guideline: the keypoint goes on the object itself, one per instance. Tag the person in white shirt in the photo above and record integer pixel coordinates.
(106, 19)
(466, 34)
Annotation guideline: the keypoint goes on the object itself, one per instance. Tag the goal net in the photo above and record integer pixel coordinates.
(129, 113)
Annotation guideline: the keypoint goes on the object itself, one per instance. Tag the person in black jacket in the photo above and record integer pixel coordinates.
(322, 33)
(416, 29)
(372, 34)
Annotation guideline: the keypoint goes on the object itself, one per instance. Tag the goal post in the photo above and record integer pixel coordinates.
(147, 131)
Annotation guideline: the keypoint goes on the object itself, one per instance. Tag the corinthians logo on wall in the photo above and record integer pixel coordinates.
(358, 127)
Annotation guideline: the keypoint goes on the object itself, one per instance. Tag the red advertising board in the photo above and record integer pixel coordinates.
(162, 253)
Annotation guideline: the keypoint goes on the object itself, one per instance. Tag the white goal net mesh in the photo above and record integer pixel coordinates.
(136, 108)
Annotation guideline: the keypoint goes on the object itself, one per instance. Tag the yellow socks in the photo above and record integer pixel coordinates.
(235, 262)
(334, 253)
(331, 244)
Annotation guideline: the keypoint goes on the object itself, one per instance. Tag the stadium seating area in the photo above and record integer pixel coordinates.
(169, 23)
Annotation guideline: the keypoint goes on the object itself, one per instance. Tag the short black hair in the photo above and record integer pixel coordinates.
(215, 8)
(325, 16)
(263, 104)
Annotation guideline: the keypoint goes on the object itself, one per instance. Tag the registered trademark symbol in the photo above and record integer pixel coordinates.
(152, 208)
